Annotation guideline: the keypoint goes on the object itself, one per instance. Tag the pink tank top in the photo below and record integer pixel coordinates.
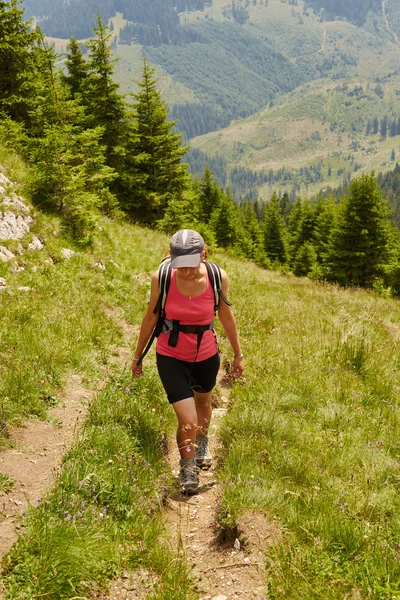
(197, 310)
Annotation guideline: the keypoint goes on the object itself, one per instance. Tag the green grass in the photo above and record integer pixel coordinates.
(105, 513)
(6, 483)
(311, 439)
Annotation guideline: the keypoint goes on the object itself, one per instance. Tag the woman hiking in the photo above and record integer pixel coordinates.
(187, 352)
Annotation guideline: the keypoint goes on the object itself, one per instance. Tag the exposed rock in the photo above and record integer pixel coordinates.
(36, 244)
(49, 261)
(3, 282)
(5, 254)
(4, 180)
(13, 227)
(16, 202)
(67, 253)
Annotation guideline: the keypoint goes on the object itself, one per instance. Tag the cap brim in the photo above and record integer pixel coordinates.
(187, 260)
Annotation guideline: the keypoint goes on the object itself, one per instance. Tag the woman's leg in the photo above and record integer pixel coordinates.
(185, 411)
(204, 411)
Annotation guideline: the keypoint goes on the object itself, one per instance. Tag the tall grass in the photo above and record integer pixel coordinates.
(312, 438)
(105, 511)
(104, 514)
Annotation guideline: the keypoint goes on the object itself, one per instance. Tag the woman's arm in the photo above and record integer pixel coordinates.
(148, 323)
(228, 322)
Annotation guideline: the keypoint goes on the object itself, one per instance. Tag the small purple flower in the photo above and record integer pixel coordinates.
(127, 390)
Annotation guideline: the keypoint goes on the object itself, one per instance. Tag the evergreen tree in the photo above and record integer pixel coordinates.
(253, 233)
(226, 223)
(209, 194)
(274, 232)
(161, 151)
(324, 226)
(360, 240)
(305, 260)
(286, 207)
(17, 63)
(104, 106)
(304, 229)
(77, 69)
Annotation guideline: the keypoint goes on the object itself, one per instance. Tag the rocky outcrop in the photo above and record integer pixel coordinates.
(15, 217)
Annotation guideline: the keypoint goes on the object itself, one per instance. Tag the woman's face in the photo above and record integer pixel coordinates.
(188, 273)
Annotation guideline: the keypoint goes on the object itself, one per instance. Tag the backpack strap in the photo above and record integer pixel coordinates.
(214, 274)
(164, 280)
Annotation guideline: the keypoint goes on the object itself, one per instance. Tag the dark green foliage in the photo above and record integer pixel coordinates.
(104, 106)
(360, 239)
(253, 233)
(249, 71)
(226, 223)
(274, 232)
(77, 69)
(305, 260)
(390, 185)
(160, 150)
(18, 67)
(304, 230)
(209, 194)
(156, 21)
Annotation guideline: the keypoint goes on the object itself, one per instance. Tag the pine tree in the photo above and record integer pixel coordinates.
(104, 106)
(68, 161)
(160, 150)
(209, 194)
(304, 230)
(360, 240)
(324, 225)
(226, 223)
(17, 63)
(77, 69)
(274, 232)
(253, 233)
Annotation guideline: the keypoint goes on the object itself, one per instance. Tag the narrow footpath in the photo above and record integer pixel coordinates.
(222, 570)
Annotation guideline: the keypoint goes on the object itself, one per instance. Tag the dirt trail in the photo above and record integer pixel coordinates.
(223, 571)
(33, 461)
(38, 447)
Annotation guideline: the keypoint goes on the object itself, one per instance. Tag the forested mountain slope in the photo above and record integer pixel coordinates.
(283, 61)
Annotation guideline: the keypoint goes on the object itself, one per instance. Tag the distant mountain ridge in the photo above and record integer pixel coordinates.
(270, 62)
(156, 20)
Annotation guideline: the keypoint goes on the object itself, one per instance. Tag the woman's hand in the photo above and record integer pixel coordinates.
(238, 366)
(137, 370)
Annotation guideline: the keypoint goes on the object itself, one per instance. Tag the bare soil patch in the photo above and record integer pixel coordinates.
(37, 451)
(35, 458)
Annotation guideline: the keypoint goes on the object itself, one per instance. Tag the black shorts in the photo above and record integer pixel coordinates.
(180, 378)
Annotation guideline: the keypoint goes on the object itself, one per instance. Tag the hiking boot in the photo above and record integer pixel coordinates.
(202, 453)
(188, 476)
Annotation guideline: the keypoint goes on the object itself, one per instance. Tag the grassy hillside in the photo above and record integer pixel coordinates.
(323, 125)
(310, 443)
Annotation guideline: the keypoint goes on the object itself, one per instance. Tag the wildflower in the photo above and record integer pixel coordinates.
(127, 390)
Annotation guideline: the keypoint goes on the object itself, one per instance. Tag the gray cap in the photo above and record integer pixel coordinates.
(186, 246)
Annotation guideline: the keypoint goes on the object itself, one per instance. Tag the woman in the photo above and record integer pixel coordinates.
(188, 368)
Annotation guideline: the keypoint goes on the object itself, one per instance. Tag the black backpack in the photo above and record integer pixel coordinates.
(174, 327)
